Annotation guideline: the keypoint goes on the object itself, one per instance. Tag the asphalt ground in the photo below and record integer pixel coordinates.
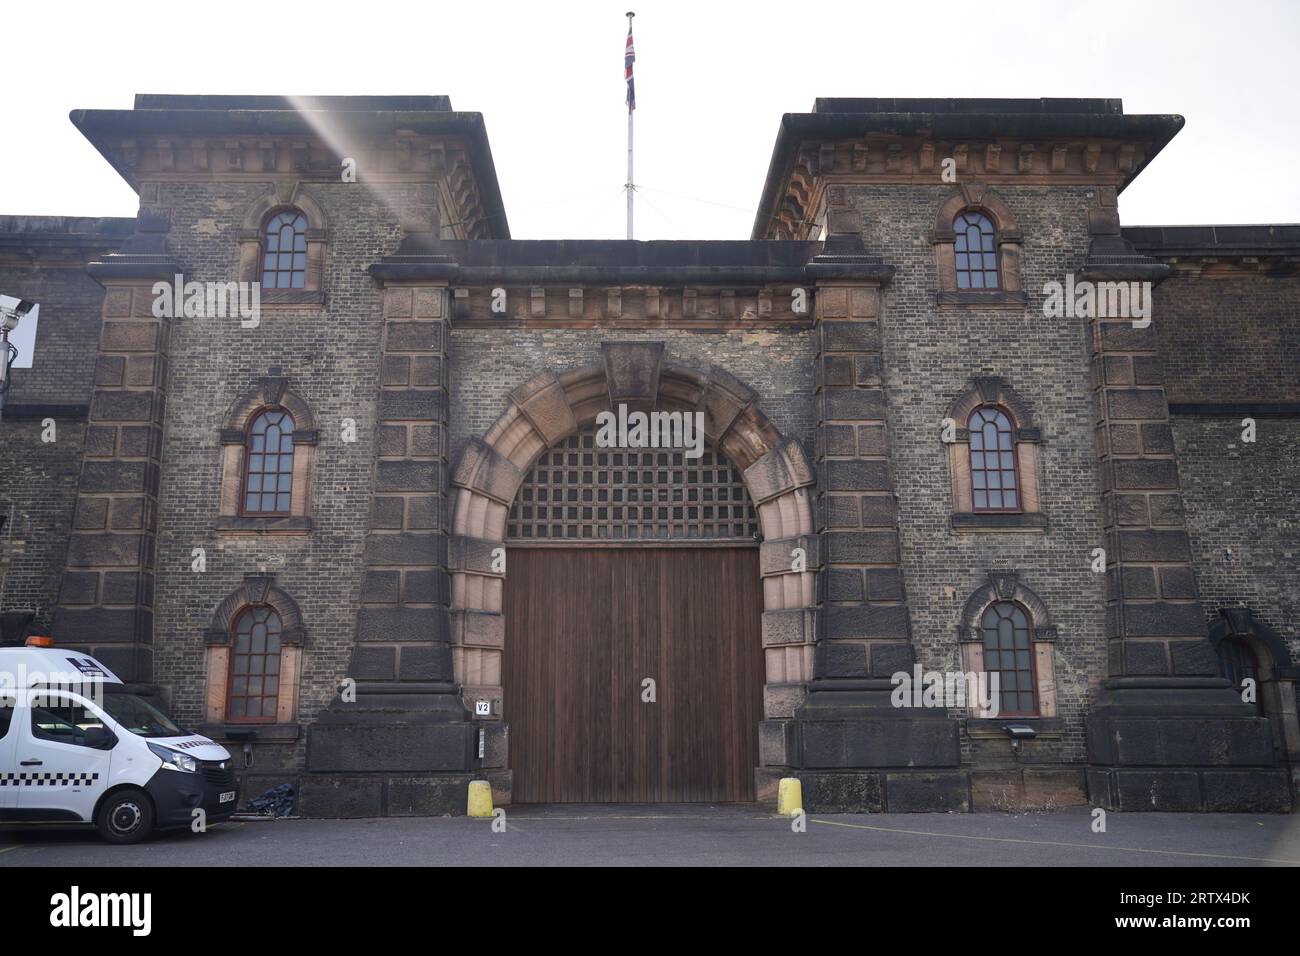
(689, 835)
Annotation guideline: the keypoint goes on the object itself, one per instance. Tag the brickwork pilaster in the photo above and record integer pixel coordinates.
(407, 716)
(1154, 621)
(864, 616)
(402, 632)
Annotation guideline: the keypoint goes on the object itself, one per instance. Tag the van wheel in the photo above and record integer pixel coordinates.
(125, 816)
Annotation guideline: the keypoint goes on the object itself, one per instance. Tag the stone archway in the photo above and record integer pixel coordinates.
(551, 407)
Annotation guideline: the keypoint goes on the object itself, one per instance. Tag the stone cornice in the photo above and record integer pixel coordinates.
(1226, 267)
(578, 262)
(54, 241)
(767, 306)
(816, 149)
(270, 145)
(633, 284)
(1214, 252)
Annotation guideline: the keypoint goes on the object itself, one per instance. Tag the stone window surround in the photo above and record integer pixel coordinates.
(1007, 586)
(993, 391)
(283, 197)
(257, 590)
(975, 197)
(270, 393)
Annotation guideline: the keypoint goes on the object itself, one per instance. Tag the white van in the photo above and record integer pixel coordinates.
(76, 746)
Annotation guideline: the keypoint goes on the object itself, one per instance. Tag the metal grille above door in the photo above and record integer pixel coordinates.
(577, 492)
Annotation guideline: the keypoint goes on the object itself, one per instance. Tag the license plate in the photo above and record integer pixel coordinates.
(226, 797)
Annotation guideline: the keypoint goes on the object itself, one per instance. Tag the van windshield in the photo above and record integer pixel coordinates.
(139, 716)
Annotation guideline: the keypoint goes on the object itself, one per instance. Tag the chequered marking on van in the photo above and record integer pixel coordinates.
(191, 744)
(48, 779)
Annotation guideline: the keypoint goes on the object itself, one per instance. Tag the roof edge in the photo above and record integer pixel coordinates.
(1159, 128)
(96, 124)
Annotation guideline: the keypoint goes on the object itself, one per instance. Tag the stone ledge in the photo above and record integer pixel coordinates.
(266, 733)
(32, 410)
(990, 728)
(1033, 522)
(290, 299)
(980, 300)
(250, 524)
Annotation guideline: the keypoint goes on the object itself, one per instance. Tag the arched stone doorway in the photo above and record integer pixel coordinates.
(550, 408)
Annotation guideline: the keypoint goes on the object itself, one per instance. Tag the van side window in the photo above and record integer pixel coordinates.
(66, 722)
(7, 705)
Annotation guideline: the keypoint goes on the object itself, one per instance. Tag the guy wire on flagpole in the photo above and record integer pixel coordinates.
(629, 57)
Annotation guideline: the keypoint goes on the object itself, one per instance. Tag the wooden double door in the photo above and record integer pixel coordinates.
(633, 675)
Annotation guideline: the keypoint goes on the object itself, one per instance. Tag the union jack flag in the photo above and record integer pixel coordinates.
(629, 57)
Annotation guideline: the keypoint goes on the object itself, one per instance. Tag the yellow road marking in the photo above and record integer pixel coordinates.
(1085, 846)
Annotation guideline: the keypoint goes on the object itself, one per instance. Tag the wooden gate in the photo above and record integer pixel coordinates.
(585, 629)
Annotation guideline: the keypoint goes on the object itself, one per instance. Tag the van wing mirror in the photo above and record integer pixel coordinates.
(99, 738)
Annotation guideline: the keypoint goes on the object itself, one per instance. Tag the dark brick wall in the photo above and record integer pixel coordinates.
(42, 258)
(1237, 340)
(1229, 339)
(1240, 500)
(486, 364)
(929, 355)
(331, 360)
(38, 492)
(67, 335)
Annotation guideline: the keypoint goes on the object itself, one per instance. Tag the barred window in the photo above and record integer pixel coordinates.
(268, 468)
(993, 472)
(254, 689)
(579, 492)
(1008, 653)
(976, 251)
(284, 251)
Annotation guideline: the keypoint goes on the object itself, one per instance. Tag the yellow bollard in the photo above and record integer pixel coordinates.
(480, 799)
(789, 797)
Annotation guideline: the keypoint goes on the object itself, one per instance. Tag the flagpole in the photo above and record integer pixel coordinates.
(629, 174)
(630, 112)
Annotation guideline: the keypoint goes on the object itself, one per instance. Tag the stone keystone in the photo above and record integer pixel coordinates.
(632, 371)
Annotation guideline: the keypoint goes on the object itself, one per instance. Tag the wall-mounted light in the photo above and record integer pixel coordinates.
(1017, 733)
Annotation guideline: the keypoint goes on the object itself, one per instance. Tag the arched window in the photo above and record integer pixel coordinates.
(993, 474)
(254, 690)
(284, 251)
(1008, 653)
(268, 464)
(976, 251)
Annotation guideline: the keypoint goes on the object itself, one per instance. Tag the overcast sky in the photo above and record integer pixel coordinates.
(712, 82)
